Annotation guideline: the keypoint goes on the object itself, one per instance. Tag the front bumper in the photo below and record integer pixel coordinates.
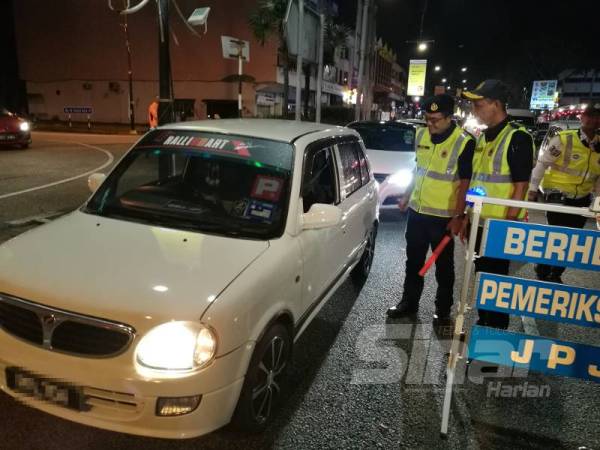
(120, 399)
(389, 195)
(16, 138)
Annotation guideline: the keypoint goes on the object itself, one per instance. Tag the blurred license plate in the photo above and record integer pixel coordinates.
(7, 137)
(43, 389)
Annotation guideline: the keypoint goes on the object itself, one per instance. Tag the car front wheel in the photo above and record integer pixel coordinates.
(262, 390)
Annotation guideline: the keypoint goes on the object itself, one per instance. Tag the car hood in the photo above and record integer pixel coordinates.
(122, 271)
(388, 162)
(10, 123)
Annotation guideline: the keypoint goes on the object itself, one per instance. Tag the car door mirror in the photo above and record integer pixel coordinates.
(320, 216)
(95, 180)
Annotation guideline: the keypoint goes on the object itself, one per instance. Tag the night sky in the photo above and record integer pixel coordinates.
(517, 41)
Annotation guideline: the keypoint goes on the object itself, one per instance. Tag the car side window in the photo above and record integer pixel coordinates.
(364, 164)
(351, 166)
(319, 184)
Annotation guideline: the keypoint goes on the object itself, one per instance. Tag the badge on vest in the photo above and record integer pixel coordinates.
(444, 154)
(576, 156)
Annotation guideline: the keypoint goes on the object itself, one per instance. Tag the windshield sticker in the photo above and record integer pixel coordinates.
(176, 205)
(267, 188)
(239, 208)
(260, 211)
(233, 147)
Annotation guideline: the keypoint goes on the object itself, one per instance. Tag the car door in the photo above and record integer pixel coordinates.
(358, 197)
(322, 250)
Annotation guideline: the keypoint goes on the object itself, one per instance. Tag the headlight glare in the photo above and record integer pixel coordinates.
(177, 346)
(402, 178)
(24, 126)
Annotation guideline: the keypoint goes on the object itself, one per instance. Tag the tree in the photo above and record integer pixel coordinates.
(336, 35)
(266, 21)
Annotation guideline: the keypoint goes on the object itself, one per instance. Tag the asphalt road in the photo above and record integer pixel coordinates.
(357, 381)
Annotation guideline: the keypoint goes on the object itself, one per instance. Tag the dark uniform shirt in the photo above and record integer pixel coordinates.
(520, 151)
(465, 160)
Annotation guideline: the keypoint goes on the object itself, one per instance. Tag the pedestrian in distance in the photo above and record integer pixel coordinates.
(153, 114)
(436, 204)
(568, 173)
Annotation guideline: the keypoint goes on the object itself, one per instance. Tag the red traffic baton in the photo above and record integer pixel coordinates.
(435, 254)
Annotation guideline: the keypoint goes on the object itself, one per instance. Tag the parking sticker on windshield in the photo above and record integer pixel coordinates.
(267, 188)
(261, 211)
(228, 146)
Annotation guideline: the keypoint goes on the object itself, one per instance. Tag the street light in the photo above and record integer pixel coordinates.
(422, 46)
(464, 81)
(464, 69)
(438, 68)
(444, 80)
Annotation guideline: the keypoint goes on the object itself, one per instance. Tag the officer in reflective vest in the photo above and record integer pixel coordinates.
(502, 167)
(436, 204)
(568, 172)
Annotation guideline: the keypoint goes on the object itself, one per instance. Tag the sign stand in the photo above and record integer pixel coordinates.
(455, 351)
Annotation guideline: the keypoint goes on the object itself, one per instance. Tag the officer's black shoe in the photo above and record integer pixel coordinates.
(402, 309)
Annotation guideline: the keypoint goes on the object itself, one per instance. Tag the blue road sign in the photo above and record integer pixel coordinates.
(539, 299)
(537, 353)
(546, 244)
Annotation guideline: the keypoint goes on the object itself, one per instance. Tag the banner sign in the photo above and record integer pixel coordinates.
(546, 244)
(539, 299)
(544, 94)
(416, 77)
(541, 354)
(78, 110)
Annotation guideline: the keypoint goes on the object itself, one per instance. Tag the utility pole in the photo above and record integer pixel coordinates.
(130, 75)
(165, 103)
(361, 66)
(320, 66)
(299, 36)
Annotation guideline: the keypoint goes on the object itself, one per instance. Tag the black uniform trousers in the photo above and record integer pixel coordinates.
(423, 232)
(563, 220)
(497, 266)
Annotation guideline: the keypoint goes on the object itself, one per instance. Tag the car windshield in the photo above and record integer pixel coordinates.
(386, 136)
(207, 182)
(525, 121)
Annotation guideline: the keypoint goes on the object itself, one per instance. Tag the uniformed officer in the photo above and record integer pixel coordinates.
(567, 172)
(502, 166)
(436, 204)
(153, 113)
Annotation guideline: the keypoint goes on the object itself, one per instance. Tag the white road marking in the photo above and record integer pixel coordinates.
(111, 158)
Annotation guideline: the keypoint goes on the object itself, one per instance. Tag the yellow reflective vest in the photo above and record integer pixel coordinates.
(492, 172)
(436, 180)
(576, 169)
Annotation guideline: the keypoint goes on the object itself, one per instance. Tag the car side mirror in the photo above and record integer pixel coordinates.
(320, 216)
(95, 180)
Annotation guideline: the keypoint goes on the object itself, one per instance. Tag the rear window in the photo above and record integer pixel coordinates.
(389, 137)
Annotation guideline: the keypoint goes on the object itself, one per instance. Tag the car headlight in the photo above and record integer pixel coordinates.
(402, 178)
(177, 346)
(24, 126)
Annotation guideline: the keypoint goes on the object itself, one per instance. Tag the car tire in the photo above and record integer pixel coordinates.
(264, 382)
(361, 271)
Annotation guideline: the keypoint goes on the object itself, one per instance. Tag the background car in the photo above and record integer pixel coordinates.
(168, 305)
(391, 151)
(523, 116)
(14, 130)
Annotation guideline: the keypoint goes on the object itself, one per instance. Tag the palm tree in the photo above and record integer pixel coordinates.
(265, 21)
(336, 35)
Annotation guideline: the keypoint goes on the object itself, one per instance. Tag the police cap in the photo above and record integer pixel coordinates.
(491, 89)
(442, 103)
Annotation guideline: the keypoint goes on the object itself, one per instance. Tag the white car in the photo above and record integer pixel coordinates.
(168, 305)
(391, 151)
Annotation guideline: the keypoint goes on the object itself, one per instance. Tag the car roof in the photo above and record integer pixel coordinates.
(380, 123)
(278, 130)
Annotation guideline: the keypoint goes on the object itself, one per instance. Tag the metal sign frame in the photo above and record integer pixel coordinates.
(464, 304)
